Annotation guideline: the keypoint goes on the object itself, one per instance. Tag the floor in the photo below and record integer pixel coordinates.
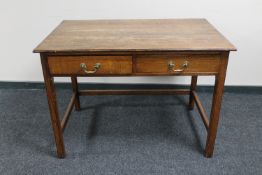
(129, 135)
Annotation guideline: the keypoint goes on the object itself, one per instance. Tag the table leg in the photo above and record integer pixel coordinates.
(216, 105)
(51, 96)
(192, 88)
(75, 89)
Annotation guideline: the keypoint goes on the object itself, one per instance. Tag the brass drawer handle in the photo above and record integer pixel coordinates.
(84, 68)
(184, 66)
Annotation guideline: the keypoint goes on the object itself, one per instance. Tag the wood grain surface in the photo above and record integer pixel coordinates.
(70, 65)
(135, 35)
(159, 63)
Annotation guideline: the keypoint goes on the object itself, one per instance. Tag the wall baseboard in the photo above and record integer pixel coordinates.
(200, 88)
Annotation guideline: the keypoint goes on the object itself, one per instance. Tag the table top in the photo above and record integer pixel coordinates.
(135, 35)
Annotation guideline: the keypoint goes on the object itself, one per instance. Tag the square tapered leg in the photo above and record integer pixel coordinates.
(51, 96)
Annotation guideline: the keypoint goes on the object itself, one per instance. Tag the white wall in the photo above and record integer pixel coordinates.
(23, 24)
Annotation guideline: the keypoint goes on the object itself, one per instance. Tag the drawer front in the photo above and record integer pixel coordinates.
(177, 64)
(87, 65)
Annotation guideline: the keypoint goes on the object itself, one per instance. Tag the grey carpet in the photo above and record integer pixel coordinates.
(129, 135)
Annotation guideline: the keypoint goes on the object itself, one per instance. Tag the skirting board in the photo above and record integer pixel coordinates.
(200, 88)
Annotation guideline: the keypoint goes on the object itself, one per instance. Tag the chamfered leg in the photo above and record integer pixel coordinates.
(75, 89)
(216, 105)
(192, 88)
(51, 96)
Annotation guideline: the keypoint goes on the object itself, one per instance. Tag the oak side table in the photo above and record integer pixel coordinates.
(158, 47)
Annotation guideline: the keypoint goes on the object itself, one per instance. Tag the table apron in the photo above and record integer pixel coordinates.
(136, 65)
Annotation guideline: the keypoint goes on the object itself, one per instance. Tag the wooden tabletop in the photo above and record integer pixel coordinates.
(135, 35)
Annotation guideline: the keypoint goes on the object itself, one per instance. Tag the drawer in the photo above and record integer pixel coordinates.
(90, 65)
(177, 64)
